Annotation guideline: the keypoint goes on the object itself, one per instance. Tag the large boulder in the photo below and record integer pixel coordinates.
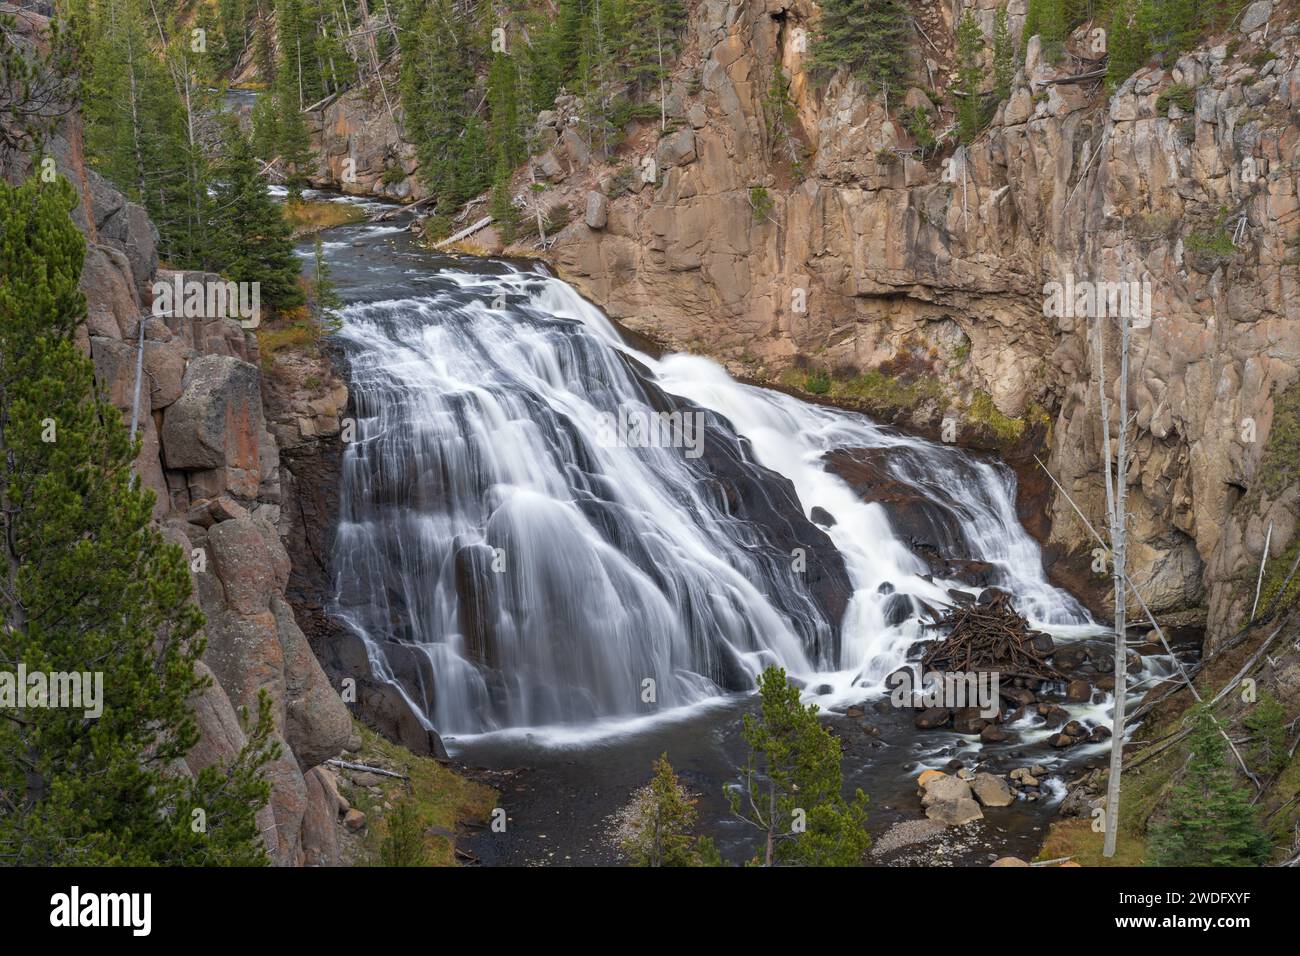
(320, 820)
(676, 149)
(243, 563)
(215, 427)
(317, 722)
(597, 213)
(992, 791)
(948, 800)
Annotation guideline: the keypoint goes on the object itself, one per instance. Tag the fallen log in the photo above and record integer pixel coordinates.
(348, 765)
(467, 231)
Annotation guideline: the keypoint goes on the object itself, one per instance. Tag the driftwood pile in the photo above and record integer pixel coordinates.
(989, 635)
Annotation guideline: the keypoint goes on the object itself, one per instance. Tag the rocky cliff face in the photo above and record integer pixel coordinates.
(839, 244)
(359, 148)
(211, 459)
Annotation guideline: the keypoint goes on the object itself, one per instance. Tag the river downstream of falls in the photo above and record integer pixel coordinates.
(571, 555)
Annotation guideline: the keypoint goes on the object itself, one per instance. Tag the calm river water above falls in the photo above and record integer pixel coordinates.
(521, 575)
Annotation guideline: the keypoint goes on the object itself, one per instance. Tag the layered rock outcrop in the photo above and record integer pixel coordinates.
(214, 468)
(839, 243)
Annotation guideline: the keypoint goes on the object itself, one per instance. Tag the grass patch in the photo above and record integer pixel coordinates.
(818, 383)
(438, 797)
(313, 215)
(1279, 469)
(886, 395)
(1216, 243)
(292, 332)
(1074, 837)
(982, 411)
(878, 390)
(1180, 95)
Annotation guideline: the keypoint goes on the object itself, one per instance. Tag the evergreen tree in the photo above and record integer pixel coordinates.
(292, 141)
(403, 842)
(325, 301)
(870, 38)
(504, 214)
(254, 242)
(90, 586)
(503, 104)
(792, 785)
(136, 124)
(970, 106)
(1004, 54)
(1209, 821)
(36, 85)
(265, 122)
(440, 104)
(1047, 19)
(1171, 26)
(1126, 43)
(299, 69)
(1267, 724)
(658, 828)
(571, 27)
(652, 40)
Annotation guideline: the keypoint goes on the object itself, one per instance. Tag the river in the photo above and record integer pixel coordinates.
(522, 570)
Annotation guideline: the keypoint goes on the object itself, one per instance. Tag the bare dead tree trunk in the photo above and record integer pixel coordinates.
(1118, 540)
(537, 206)
(663, 96)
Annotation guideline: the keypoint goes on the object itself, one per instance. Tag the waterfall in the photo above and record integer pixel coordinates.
(540, 525)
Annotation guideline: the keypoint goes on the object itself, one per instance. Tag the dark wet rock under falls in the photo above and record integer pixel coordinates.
(509, 573)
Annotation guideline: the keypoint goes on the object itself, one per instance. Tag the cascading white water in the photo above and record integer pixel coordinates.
(537, 573)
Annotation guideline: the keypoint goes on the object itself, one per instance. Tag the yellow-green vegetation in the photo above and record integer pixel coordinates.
(1180, 95)
(292, 331)
(887, 396)
(1279, 469)
(1074, 837)
(424, 809)
(1214, 242)
(982, 411)
(310, 215)
(1281, 808)
(874, 391)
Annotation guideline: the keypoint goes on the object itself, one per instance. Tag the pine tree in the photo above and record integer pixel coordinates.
(89, 585)
(503, 106)
(792, 785)
(325, 301)
(299, 69)
(1004, 54)
(504, 214)
(566, 47)
(36, 85)
(652, 39)
(254, 242)
(1209, 821)
(403, 842)
(436, 86)
(1171, 26)
(293, 142)
(1126, 43)
(658, 826)
(868, 37)
(1047, 19)
(970, 106)
(1267, 724)
(137, 125)
(265, 121)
